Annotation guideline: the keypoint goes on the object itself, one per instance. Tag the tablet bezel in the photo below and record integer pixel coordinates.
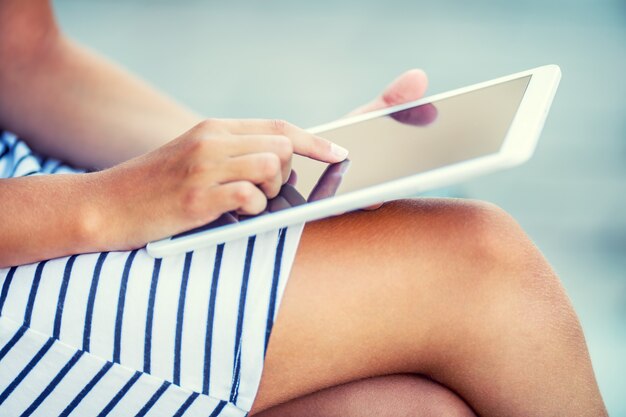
(518, 146)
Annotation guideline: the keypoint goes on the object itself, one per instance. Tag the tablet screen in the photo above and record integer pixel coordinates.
(405, 143)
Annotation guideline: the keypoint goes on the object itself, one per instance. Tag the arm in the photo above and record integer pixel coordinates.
(216, 167)
(75, 106)
(72, 104)
(45, 217)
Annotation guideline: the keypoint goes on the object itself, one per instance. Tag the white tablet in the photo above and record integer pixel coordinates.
(399, 152)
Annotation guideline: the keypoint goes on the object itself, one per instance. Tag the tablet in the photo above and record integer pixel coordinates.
(399, 152)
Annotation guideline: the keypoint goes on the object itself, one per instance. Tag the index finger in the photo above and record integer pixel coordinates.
(304, 143)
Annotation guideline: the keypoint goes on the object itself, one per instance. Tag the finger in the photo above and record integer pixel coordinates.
(262, 169)
(416, 116)
(409, 86)
(277, 144)
(241, 196)
(304, 143)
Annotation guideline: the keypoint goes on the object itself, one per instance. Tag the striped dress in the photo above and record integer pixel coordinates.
(124, 334)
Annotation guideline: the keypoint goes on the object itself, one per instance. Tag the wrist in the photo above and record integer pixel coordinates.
(89, 219)
(96, 228)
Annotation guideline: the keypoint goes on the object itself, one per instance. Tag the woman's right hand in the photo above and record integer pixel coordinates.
(219, 165)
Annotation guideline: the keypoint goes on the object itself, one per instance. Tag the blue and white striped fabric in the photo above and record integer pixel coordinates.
(124, 334)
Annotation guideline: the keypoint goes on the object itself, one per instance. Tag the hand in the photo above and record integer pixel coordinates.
(409, 86)
(216, 167)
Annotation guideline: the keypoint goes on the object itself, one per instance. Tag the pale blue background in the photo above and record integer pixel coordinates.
(312, 61)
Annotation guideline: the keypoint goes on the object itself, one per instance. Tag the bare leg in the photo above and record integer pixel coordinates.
(449, 289)
(386, 396)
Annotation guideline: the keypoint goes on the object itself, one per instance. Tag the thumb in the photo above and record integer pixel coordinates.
(409, 86)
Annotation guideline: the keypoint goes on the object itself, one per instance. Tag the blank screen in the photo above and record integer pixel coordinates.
(405, 143)
(419, 139)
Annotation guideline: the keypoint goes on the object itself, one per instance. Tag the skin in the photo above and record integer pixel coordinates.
(452, 289)
(386, 396)
(424, 307)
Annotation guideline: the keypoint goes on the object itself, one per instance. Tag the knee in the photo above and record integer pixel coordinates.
(496, 275)
(471, 229)
(482, 259)
(506, 262)
(477, 236)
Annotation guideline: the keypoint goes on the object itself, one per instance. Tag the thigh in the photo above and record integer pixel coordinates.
(424, 286)
(385, 396)
(346, 305)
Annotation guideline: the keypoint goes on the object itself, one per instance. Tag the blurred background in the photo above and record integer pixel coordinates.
(311, 62)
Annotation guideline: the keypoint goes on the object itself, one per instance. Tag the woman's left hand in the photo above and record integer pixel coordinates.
(409, 86)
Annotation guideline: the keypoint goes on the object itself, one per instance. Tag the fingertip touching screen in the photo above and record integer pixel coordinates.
(401, 144)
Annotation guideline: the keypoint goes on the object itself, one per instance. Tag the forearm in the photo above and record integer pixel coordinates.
(71, 104)
(48, 216)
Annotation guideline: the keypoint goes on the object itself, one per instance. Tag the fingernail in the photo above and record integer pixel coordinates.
(338, 151)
